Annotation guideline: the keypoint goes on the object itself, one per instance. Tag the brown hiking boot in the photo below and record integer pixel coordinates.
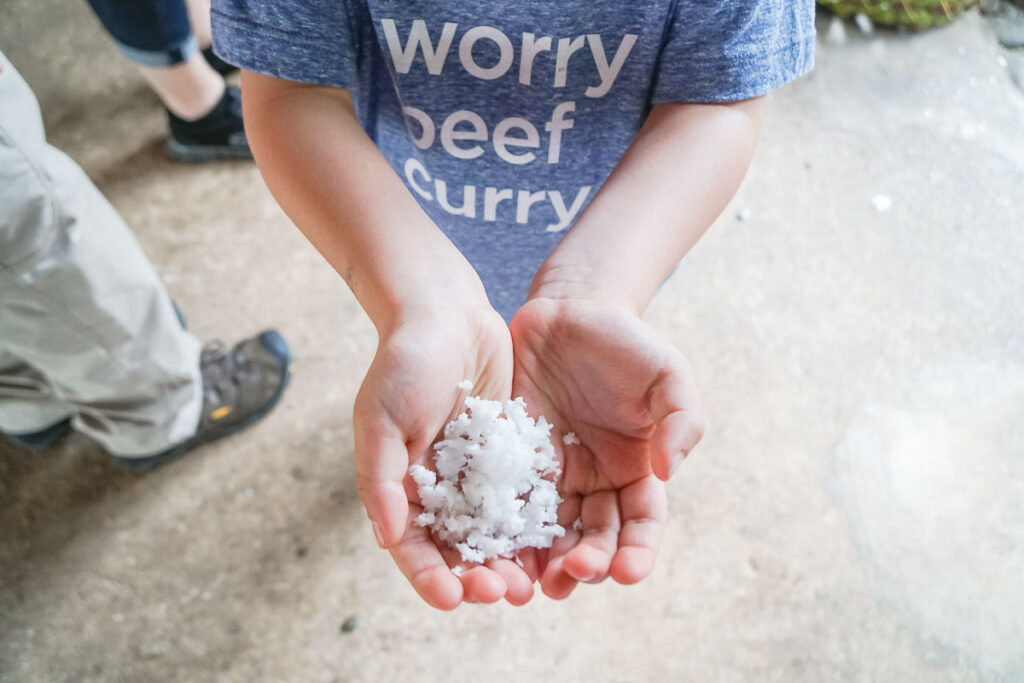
(240, 386)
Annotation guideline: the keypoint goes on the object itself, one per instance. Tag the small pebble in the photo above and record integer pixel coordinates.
(298, 474)
(350, 624)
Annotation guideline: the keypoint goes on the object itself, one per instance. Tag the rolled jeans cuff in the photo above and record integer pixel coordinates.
(160, 59)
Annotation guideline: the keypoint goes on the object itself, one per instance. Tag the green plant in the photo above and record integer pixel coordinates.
(918, 14)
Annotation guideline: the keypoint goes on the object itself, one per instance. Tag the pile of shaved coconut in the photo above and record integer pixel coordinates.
(493, 492)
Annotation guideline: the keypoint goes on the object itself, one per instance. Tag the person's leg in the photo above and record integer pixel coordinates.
(31, 414)
(189, 89)
(205, 115)
(199, 16)
(80, 305)
(27, 404)
(86, 327)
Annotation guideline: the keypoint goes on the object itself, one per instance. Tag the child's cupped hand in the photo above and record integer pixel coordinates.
(410, 392)
(629, 397)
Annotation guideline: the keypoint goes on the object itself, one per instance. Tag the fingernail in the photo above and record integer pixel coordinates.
(677, 460)
(379, 535)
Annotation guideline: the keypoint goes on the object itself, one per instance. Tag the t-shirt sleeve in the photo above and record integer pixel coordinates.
(728, 50)
(309, 41)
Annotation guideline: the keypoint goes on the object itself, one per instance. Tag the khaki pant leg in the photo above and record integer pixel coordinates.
(80, 305)
(27, 401)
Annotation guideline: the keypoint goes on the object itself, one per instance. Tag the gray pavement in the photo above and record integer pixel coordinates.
(856, 512)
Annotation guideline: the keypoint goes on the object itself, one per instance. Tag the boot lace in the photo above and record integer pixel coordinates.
(223, 370)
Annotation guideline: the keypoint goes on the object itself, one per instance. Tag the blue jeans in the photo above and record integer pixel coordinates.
(153, 33)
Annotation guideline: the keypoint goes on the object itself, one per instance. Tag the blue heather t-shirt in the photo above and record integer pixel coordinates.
(504, 119)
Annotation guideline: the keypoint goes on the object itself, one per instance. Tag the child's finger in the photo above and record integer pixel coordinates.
(381, 462)
(644, 509)
(519, 587)
(588, 561)
(555, 582)
(532, 561)
(481, 584)
(426, 569)
(678, 413)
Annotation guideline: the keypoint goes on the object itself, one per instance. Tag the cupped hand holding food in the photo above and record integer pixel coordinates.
(409, 394)
(628, 396)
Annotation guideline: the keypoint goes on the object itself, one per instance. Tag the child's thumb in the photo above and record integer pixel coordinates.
(676, 408)
(381, 462)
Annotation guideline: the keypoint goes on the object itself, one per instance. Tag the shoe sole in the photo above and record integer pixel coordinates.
(189, 154)
(152, 462)
(46, 438)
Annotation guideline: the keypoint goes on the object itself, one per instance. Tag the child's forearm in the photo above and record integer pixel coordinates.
(340, 191)
(678, 175)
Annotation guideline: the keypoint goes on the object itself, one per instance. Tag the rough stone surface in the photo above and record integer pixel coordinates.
(796, 550)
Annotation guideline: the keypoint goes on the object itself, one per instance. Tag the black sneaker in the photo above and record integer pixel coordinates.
(240, 386)
(218, 64)
(218, 135)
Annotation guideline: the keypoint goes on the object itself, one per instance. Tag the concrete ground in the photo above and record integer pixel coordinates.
(856, 512)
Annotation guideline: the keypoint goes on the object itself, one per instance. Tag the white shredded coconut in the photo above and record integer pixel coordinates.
(466, 385)
(425, 519)
(458, 570)
(578, 524)
(570, 439)
(488, 496)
